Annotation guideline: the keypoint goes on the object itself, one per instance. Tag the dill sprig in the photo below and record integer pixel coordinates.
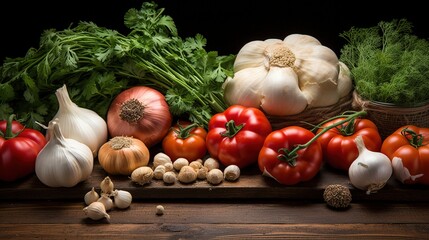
(388, 63)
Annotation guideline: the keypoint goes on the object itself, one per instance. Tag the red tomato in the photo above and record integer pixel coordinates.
(339, 147)
(274, 159)
(19, 147)
(410, 145)
(236, 135)
(185, 140)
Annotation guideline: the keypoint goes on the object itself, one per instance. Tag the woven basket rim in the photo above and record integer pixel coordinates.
(359, 102)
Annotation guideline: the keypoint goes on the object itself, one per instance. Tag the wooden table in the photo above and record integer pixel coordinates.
(255, 207)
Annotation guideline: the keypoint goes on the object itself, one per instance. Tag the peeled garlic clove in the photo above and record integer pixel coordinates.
(96, 211)
(91, 196)
(122, 199)
(215, 176)
(211, 163)
(142, 175)
(159, 171)
(106, 201)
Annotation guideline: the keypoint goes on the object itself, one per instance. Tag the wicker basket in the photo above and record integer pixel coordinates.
(312, 116)
(390, 117)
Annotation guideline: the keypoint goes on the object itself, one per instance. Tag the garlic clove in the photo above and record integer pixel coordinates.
(106, 201)
(96, 211)
(159, 210)
(91, 196)
(122, 199)
(231, 173)
(215, 176)
(161, 159)
(107, 185)
(142, 175)
(169, 177)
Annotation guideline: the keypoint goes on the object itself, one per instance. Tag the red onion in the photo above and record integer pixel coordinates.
(140, 112)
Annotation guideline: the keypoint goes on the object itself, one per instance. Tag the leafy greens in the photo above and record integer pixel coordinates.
(97, 63)
(388, 63)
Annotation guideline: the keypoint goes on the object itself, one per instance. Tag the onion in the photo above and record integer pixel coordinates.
(140, 112)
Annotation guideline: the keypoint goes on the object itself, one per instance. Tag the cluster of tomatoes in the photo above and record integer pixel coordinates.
(243, 136)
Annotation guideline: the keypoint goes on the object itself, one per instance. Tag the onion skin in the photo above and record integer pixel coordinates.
(121, 155)
(154, 123)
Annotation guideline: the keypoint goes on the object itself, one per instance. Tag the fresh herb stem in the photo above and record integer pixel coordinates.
(97, 63)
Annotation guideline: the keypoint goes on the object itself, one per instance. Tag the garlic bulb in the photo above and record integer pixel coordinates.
(63, 162)
(122, 199)
(91, 196)
(81, 124)
(371, 170)
(96, 211)
(284, 77)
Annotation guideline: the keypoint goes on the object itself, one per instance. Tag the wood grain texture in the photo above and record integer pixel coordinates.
(256, 219)
(255, 207)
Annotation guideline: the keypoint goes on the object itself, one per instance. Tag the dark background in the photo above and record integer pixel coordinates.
(227, 25)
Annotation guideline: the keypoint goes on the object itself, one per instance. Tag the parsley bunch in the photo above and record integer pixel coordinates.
(97, 63)
(388, 63)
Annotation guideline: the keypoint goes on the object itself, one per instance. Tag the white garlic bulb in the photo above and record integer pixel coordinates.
(96, 211)
(122, 199)
(81, 124)
(91, 196)
(371, 170)
(63, 162)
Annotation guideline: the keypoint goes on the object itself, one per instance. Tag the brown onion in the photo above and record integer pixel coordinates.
(141, 112)
(122, 155)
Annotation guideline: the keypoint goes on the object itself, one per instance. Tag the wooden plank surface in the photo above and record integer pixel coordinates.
(250, 185)
(256, 219)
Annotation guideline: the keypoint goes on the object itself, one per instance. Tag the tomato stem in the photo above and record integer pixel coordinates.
(8, 134)
(231, 129)
(350, 117)
(184, 132)
(287, 156)
(415, 140)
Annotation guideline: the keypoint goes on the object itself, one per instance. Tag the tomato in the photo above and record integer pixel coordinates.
(185, 140)
(19, 147)
(339, 147)
(278, 160)
(236, 135)
(408, 148)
